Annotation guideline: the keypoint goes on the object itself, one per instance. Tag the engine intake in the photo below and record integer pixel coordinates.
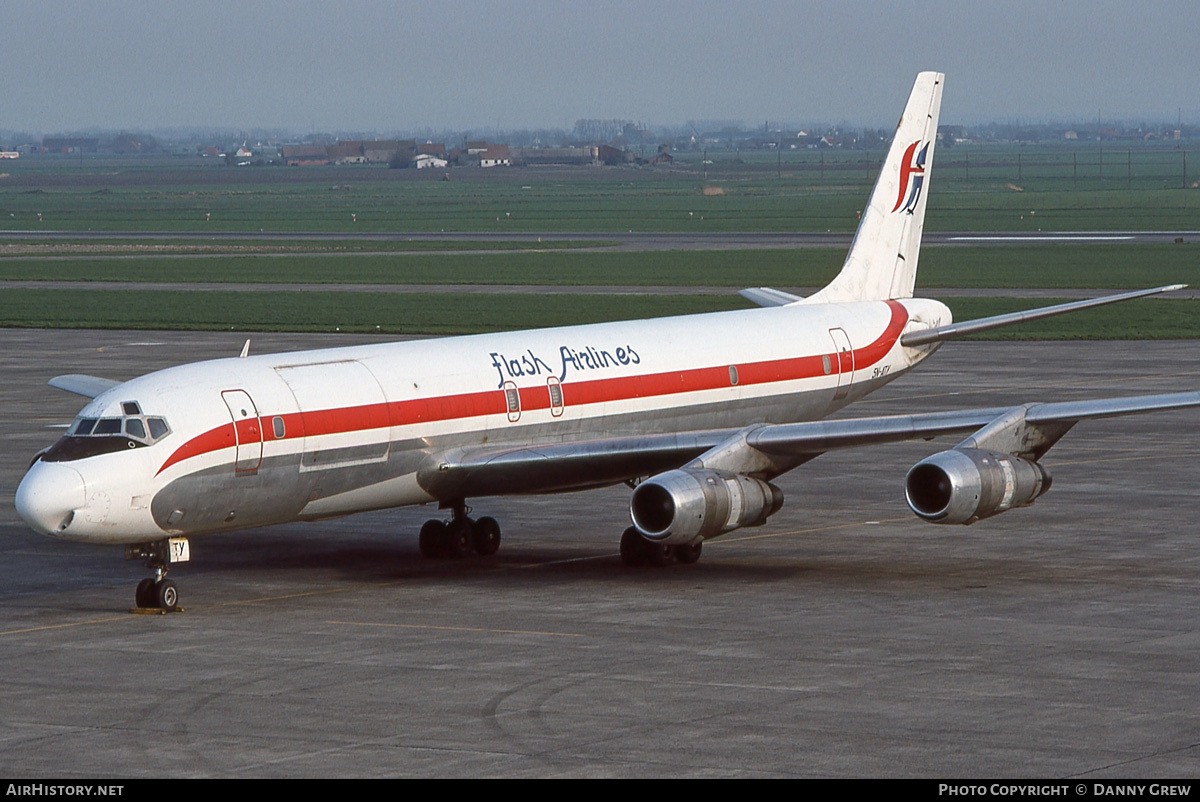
(680, 506)
(964, 485)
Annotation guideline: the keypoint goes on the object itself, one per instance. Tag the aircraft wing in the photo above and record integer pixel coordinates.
(496, 470)
(825, 435)
(493, 471)
(90, 386)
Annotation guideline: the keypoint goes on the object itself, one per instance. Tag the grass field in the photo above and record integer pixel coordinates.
(1043, 266)
(133, 245)
(676, 205)
(1007, 189)
(442, 313)
(986, 188)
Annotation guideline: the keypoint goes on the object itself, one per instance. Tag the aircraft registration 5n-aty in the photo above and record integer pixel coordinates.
(697, 413)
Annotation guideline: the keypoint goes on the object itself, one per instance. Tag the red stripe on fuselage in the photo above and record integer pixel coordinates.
(581, 393)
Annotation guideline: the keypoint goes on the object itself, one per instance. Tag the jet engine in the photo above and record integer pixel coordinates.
(679, 506)
(964, 485)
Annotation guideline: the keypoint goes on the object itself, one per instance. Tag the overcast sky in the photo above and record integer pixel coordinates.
(383, 66)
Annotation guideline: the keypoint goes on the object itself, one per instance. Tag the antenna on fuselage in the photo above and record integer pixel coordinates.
(245, 350)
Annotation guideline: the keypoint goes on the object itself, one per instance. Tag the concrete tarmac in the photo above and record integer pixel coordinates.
(622, 240)
(550, 289)
(844, 638)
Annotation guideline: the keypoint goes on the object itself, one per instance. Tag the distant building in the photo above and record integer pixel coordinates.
(349, 152)
(573, 156)
(423, 160)
(952, 133)
(382, 151)
(9, 154)
(611, 156)
(304, 155)
(495, 156)
(71, 144)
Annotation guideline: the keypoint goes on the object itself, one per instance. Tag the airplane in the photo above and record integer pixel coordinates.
(697, 414)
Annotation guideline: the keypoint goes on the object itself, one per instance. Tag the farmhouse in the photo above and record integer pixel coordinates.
(495, 156)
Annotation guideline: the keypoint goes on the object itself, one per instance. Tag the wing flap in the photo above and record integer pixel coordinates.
(816, 437)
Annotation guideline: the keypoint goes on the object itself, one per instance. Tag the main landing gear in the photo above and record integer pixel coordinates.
(637, 550)
(159, 593)
(461, 536)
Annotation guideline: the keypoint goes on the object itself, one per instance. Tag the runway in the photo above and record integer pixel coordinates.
(844, 638)
(548, 289)
(620, 240)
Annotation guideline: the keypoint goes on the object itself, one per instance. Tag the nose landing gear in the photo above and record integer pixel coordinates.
(159, 593)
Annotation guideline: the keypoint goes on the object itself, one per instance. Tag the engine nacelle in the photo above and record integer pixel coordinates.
(679, 506)
(963, 485)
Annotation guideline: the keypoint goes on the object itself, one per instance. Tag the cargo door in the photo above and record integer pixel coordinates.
(343, 411)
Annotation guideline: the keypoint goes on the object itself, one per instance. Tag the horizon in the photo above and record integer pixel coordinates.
(371, 65)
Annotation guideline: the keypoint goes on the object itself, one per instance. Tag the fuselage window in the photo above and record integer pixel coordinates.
(825, 364)
(512, 397)
(733, 377)
(556, 396)
(277, 426)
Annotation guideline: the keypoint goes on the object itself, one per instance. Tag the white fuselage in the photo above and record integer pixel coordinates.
(282, 437)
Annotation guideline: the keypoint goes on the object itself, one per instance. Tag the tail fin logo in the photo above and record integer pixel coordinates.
(912, 176)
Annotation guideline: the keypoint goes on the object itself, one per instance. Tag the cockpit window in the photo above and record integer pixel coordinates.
(71, 448)
(88, 437)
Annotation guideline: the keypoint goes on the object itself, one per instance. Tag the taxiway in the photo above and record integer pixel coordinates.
(844, 638)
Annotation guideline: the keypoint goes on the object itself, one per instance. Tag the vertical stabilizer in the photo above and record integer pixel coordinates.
(882, 262)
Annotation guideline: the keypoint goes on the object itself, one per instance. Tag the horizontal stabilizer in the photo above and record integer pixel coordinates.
(90, 386)
(765, 296)
(926, 336)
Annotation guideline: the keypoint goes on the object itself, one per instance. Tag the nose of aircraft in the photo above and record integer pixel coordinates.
(49, 495)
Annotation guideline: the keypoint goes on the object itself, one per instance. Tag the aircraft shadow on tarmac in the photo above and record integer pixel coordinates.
(902, 561)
